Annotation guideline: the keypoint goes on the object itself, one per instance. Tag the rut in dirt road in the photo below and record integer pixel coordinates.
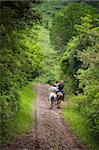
(50, 132)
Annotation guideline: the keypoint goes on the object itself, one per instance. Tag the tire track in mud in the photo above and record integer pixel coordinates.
(50, 132)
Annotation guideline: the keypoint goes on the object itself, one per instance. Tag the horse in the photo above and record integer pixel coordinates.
(52, 98)
(59, 99)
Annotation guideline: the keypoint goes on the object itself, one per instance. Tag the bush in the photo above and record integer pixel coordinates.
(20, 57)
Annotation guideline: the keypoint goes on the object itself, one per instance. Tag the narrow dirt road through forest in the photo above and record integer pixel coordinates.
(49, 132)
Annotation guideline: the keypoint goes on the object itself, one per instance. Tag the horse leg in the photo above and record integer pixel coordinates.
(59, 102)
(51, 104)
(58, 105)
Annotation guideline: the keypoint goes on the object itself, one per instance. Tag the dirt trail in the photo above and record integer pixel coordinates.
(50, 132)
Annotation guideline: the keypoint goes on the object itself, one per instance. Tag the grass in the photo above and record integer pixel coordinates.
(24, 118)
(79, 126)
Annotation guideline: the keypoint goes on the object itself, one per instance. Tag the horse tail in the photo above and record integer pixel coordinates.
(52, 97)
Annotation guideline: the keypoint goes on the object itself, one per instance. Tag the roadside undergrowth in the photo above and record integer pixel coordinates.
(79, 126)
(24, 118)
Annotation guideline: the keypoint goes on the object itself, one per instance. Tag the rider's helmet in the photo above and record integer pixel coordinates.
(62, 81)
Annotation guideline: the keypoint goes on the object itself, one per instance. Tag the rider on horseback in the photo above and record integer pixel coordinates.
(60, 88)
(56, 94)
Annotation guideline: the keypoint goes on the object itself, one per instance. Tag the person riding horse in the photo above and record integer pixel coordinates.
(56, 93)
(60, 88)
(60, 93)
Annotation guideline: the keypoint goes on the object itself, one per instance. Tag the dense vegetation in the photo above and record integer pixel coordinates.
(75, 34)
(26, 28)
(20, 56)
(47, 8)
(50, 55)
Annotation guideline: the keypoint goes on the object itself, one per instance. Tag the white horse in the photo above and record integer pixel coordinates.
(52, 95)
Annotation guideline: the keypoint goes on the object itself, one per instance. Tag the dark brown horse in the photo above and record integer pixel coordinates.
(59, 98)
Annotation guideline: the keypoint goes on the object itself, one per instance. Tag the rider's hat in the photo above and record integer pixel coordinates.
(62, 81)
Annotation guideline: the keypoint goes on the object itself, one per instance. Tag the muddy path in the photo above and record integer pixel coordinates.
(49, 132)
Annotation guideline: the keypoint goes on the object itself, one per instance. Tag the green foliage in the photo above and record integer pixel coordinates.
(50, 55)
(79, 126)
(86, 48)
(24, 117)
(47, 9)
(87, 53)
(18, 14)
(26, 53)
(85, 24)
(75, 33)
(70, 64)
(63, 27)
(89, 78)
(20, 57)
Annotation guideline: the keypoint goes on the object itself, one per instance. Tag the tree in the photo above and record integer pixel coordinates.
(20, 57)
(63, 27)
